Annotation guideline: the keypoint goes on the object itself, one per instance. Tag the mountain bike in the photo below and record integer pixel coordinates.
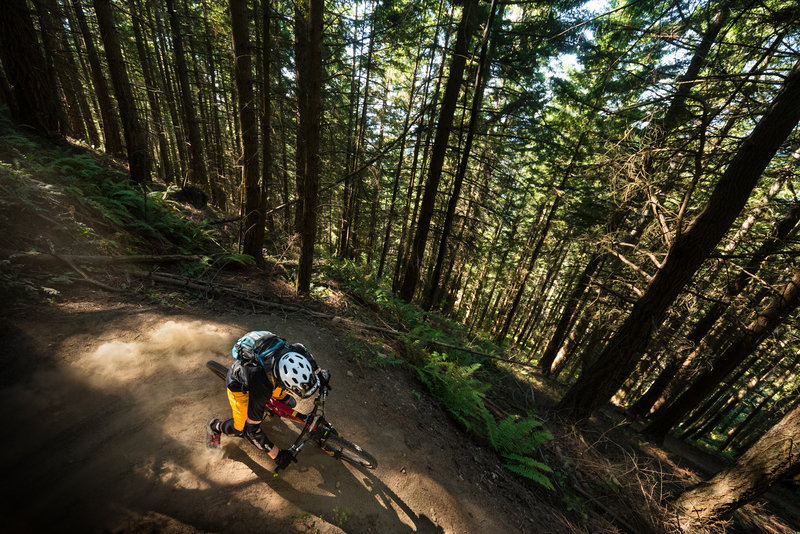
(323, 435)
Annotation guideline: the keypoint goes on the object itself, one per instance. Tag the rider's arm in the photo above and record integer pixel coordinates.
(253, 432)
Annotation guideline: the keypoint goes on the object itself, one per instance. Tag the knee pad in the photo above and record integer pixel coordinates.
(256, 436)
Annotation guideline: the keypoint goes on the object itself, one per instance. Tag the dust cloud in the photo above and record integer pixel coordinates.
(173, 344)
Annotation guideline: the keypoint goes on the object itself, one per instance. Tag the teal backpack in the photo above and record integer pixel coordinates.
(257, 345)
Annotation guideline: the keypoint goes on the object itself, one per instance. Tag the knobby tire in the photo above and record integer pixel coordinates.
(349, 451)
(217, 368)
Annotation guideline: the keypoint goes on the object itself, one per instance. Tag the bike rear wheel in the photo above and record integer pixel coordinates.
(343, 449)
(217, 368)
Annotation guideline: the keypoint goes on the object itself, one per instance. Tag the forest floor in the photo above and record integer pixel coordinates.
(106, 398)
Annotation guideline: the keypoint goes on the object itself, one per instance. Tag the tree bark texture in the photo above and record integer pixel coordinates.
(461, 172)
(72, 70)
(570, 310)
(63, 89)
(167, 173)
(309, 13)
(108, 114)
(775, 455)
(703, 326)
(782, 305)
(198, 174)
(25, 68)
(267, 183)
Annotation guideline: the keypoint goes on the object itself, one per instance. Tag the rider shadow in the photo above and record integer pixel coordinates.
(343, 487)
(384, 494)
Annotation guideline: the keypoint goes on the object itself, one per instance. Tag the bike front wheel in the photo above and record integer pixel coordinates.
(340, 448)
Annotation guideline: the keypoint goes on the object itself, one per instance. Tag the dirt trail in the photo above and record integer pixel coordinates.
(104, 414)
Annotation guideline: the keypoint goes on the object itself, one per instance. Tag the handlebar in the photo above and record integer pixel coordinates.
(311, 421)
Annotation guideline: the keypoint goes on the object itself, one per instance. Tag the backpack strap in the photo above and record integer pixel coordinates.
(270, 350)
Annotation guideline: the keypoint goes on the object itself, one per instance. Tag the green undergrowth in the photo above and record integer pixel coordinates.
(459, 380)
(54, 198)
(78, 191)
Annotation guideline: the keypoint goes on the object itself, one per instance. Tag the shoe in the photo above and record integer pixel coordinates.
(213, 433)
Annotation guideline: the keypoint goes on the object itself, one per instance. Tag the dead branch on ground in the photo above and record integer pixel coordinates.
(205, 287)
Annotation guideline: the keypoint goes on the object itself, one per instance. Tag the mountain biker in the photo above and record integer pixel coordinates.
(265, 367)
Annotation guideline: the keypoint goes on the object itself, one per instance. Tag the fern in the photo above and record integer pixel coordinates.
(529, 468)
(516, 440)
(128, 198)
(456, 380)
(454, 386)
(81, 167)
(104, 197)
(512, 436)
(240, 259)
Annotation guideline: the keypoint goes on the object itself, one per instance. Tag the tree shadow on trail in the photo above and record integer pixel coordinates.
(361, 504)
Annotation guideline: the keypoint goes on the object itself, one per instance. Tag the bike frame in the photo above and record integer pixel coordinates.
(283, 410)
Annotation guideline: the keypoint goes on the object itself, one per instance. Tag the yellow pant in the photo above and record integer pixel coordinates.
(239, 403)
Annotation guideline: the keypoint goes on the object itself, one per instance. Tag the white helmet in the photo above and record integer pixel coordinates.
(297, 375)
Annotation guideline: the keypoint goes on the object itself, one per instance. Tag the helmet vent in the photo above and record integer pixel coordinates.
(297, 374)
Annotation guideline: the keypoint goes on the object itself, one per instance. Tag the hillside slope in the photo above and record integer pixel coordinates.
(106, 394)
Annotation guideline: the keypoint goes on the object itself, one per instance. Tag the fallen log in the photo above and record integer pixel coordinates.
(85, 277)
(206, 287)
(104, 260)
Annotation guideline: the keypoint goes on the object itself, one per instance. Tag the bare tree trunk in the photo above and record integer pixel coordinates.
(70, 120)
(786, 302)
(252, 215)
(571, 308)
(135, 133)
(167, 172)
(216, 143)
(25, 68)
(267, 185)
(400, 161)
(348, 235)
(777, 387)
(544, 230)
(108, 114)
(775, 455)
(309, 75)
(408, 221)
(445, 124)
(73, 70)
(461, 172)
(198, 173)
